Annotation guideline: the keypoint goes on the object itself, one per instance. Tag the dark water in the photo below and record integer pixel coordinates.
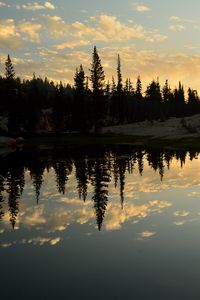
(100, 223)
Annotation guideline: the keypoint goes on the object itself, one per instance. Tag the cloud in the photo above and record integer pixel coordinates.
(36, 6)
(32, 30)
(175, 18)
(72, 44)
(108, 28)
(179, 223)
(49, 5)
(34, 217)
(146, 234)
(117, 217)
(14, 35)
(55, 26)
(141, 8)
(103, 28)
(183, 213)
(2, 4)
(177, 27)
(194, 194)
(55, 241)
(32, 6)
(10, 37)
(146, 63)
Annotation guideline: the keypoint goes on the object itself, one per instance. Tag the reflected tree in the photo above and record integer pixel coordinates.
(62, 169)
(1, 196)
(82, 178)
(37, 168)
(100, 180)
(15, 183)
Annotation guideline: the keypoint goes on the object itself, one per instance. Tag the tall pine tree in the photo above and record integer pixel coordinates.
(97, 79)
(9, 69)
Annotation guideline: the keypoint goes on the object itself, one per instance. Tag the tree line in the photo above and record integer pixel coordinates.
(31, 106)
(95, 167)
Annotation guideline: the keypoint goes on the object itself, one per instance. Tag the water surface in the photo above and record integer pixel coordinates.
(115, 223)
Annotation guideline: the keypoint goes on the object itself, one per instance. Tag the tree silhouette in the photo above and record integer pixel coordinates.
(63, 169)
(79, 100)
(179, 101)
(1, 196)
(100, 182)
(59, 110)
(37, 168)
(138, 90)
(120, 97)
(154, 100)
(193, 102)
(97, 79)
(9, 69)
(38, 105)
(82, 178)
(15, 180)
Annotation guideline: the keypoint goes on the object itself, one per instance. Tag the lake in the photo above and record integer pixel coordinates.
(99, 222)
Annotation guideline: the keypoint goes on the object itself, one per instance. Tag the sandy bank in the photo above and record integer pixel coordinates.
(173, 128)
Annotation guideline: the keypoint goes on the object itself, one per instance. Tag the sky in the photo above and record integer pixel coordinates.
(154, 38)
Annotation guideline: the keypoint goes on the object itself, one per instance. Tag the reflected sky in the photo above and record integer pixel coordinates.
(143, 227)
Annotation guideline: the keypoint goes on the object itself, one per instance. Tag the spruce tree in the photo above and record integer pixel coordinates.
(79, 117)
(120, 97)
(119, 76)
(79, 80)
(9, 69)
(97, 79)
(154, 100)
(97, 74)
(138, 91)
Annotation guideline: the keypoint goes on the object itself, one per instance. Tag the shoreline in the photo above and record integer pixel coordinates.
(113, 139)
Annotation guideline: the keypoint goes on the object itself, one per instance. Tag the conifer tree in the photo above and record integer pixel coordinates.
(166, 92)
(79, 101)
(193, 103)
(114, 88)
(97, 74)
(167, 98)
(79, 80)
(153, 95)
(97, 79)
(9, 69)
(120, 97)
(119, 76)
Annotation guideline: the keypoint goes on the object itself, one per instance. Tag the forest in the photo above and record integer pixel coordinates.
(42, 106)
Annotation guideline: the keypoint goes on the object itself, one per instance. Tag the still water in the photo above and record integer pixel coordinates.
(113, 223)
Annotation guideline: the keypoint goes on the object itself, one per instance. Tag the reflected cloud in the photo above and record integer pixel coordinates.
(177, 27)
(194, 194)
(6, 245)
(179, 223)
(183, 213)
(116, 217)
(33, 216)
(146, 234)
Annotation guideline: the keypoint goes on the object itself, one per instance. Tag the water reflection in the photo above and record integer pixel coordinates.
(93, 168)
(123, 221)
